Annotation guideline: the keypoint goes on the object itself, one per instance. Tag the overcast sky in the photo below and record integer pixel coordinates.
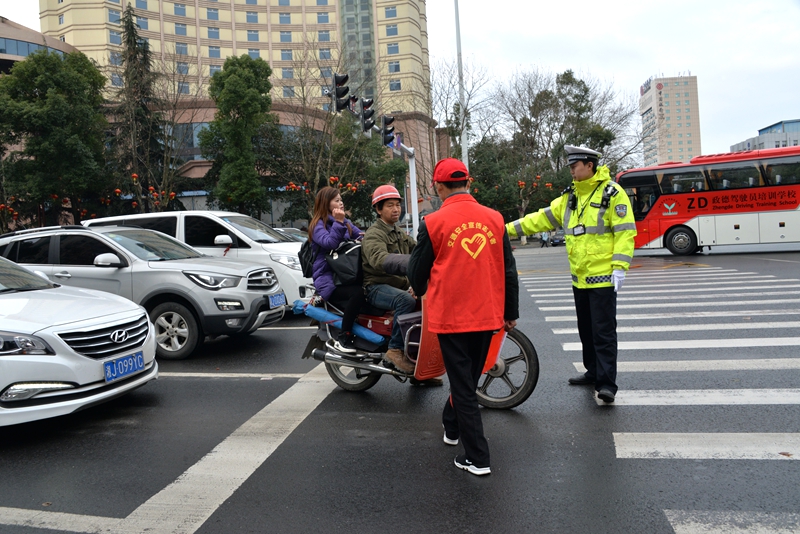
(745, 54)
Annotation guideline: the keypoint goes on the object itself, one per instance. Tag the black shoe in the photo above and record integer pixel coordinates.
(605, 395)
(431, 382)
(581, 380)
(462, 462)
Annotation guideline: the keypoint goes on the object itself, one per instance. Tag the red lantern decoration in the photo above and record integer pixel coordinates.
(93, 215)
(118, 191)
(172, 195)
(151, 188)
(135, 176)
(157, 203)
(55, 197)
(2, 206)
(538, 177)
(135, 204)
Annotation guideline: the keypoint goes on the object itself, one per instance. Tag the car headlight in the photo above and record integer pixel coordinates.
(14, 344)
(213, 282)
(292, 262)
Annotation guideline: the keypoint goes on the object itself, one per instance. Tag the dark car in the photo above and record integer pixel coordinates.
(557, 238)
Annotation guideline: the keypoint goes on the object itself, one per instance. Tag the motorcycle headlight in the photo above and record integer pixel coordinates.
(14, 344)
(292, 262)
(213, 282)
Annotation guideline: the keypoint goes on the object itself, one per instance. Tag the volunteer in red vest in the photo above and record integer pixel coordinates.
(463, 262)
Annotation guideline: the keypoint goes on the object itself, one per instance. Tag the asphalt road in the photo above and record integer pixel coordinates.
(248, 437)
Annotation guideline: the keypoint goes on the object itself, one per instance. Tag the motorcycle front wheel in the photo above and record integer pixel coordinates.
(351, 378)
(513, 378)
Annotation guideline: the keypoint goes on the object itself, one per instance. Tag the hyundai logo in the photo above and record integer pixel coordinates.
(119, 336)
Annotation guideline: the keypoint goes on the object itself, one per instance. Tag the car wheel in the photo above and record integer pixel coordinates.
(177, 332)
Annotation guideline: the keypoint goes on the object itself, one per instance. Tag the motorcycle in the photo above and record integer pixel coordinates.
(510, 373)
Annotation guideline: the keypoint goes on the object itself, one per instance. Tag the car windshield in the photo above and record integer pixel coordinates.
(152, 246)
(16, 278)
(257, 230)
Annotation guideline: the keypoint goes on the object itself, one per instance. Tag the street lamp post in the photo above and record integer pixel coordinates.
(462, 102)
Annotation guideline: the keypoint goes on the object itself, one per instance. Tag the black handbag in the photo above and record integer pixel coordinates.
(345, 262)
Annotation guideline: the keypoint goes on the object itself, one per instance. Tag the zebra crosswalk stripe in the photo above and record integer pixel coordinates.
(732, 522)
(707, 446)
(706, 397)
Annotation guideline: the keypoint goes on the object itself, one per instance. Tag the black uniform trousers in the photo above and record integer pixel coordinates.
(597, 328)
(464, 355)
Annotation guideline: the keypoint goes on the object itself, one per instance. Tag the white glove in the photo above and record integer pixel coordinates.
(618, 277)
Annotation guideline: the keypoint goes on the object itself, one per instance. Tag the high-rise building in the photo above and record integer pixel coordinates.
(670, 119)
(778, 135)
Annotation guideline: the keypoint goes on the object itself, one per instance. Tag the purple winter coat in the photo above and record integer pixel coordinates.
(327, 237)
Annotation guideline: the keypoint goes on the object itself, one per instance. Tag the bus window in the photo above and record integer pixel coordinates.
(783, 172)
(642, 199)
(682, 182)
(746, 174)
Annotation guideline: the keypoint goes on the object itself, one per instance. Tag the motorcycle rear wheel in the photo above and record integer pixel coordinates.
(350, 378)
(513, 378)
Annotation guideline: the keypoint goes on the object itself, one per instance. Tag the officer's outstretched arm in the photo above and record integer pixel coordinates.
(545, 219)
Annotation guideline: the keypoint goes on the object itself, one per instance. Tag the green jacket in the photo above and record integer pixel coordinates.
(379, 247)
(603, 245)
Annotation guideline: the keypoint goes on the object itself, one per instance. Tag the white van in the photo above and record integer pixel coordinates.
(232, 235)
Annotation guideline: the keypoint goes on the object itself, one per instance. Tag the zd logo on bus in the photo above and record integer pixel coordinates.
(670, 208)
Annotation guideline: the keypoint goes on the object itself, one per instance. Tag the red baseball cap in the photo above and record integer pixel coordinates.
(450, 170)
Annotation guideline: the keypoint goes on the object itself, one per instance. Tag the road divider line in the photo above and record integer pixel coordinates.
(762, 364)
(706, 397)
(263, 376)
(673, 344)
(707, 446)
(691, 304)
(684, 297)
(733, 522)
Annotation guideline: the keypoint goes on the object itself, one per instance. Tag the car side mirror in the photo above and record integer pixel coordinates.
(108, 260)
(223, 240)
(40, 273)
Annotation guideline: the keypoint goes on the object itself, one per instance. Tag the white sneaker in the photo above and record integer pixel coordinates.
(462, 462)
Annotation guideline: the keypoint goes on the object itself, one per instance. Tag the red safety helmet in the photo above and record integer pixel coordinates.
(385, 192)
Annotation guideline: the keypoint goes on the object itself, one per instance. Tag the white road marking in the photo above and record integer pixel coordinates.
(672, 344)
(684, 297)
(705, 397)
(733, 522)
(692, 327)
(763, 364)
(637, 274)
(268, 376)
(684, 315)
(691, 304)
(707, 446)
(566, 289)
(183, 506)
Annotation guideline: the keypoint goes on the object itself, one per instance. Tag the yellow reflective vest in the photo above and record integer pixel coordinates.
(599, 239)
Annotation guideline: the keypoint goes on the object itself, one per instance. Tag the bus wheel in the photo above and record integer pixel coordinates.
(681, 241)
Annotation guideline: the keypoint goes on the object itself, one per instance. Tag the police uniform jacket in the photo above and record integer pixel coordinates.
(465, 253)
(599, 240)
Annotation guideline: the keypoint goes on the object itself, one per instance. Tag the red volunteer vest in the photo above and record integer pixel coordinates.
(466, 291)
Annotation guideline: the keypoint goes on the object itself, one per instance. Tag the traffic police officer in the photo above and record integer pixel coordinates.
(464, 242)
(599, 227)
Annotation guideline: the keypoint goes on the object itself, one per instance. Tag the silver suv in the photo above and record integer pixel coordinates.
(187, 295)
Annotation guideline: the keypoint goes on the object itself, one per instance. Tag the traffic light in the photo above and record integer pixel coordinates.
(338, 91)
(366, 116)
(386, 131)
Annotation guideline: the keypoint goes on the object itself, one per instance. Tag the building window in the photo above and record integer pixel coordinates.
(115, 59)
(113, 17)
(669, 143)
(326, 106)
(142, 23)
(115, 37)
(393, 49)
(686, 110)
(686, 102)
(666, 103)
(183, 88)
(680, 125)
(286, 55)
(213, 69)
(687, 124)
(366, 39)
(288, 92)
(325, 72)
(391, 12)
(252, 36)
(213, 33)
(394, 66)
(323, 18)
(324, 36)
(253, 53)
(252, 17)
(394, 85)
(688, 135)
(684, 83)
(116, 80)
(180, 10)
(391, 30)
(180, 29)
(287, 72)
(182, 49)
(212, 13)
(283, 2)
(284, 18)
(676, 83)
(324, 53)
(286, 37)
(322, 2)
(182, 67)
(61, 17)
(141, 4)
(213, 51)
(251, 2)
(688, 142)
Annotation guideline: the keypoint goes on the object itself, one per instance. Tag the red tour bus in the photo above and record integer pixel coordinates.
(723, 199)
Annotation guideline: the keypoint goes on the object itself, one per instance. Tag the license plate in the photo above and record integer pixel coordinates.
(277, 300)
(122, 367)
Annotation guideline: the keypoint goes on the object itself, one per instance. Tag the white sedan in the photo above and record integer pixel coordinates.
(63, 349)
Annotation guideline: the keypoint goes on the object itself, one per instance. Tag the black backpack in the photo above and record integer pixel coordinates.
(307, 256)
